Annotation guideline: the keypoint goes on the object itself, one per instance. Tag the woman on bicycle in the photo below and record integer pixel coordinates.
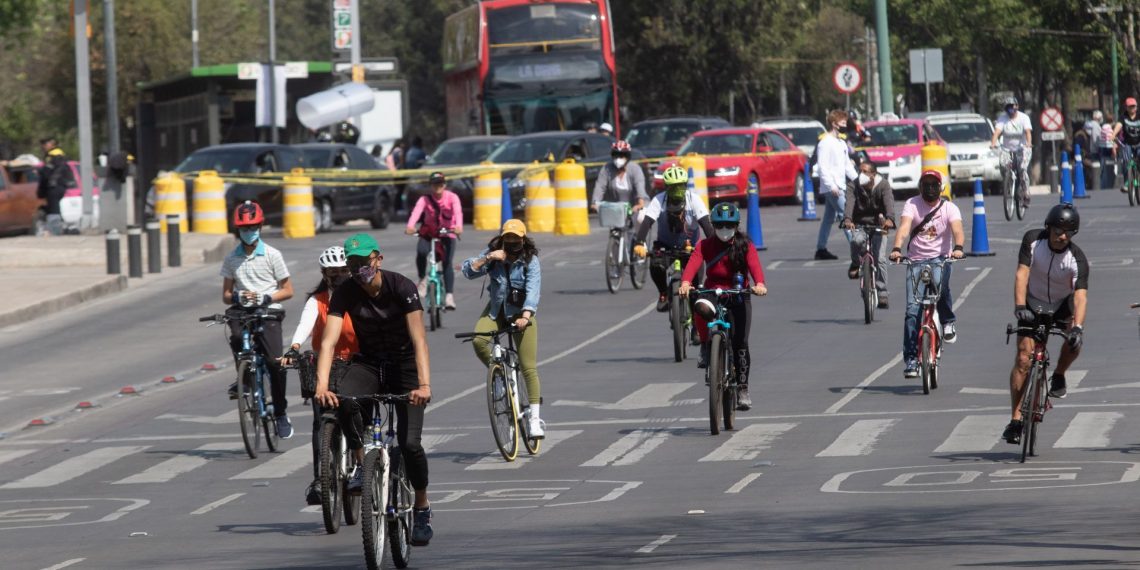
(730, 255)
(511, 260)
(870, 202)
(435, 211)
(1016, 134)
(618, 181)
(334, 271)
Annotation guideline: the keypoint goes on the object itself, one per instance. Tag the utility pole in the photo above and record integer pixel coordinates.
(194, 31)
(273, 72)
(868, 86)
(886, 94)
(357, 69)
(83, 99)
(112, 77)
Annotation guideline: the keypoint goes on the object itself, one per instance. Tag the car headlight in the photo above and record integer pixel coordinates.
(517, 183)
(727, 171)
(992, 154)
(906, 160)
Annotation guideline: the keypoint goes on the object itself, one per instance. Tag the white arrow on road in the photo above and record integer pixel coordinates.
(226, 417)
(657, 395)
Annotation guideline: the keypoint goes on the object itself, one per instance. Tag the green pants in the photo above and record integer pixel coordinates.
(526, 343)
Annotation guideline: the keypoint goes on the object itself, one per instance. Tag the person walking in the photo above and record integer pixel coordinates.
(416, 155)
(835, 170)
(1107, 151)
(55, 179)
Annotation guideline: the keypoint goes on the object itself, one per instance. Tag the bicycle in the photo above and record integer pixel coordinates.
(928, 291)
(680, 313)
(1131, 177)
(720, 376)
(507, 402)
(433, 301)
(386, 497)
(617, 216)
(868, 271)
(252, 372)
(1035, 398)
(1014, 202)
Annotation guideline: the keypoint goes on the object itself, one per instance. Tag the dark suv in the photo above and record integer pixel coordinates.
(338, 204)
(657, 138)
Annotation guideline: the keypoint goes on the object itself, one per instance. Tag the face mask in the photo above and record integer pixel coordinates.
(513, 247)
(930, 193)
(365, 275)
(1010, 111)
(249, 237)
(619, 163)
(725, 234)
(841, 126)
(336, 281)
(864, 179)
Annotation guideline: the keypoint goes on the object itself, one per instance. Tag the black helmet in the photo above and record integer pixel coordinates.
(1065, 216)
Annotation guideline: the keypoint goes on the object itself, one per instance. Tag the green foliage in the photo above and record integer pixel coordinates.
(16, 16)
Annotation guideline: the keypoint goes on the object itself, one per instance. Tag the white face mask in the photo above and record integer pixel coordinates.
(864, 179)
(619, 163)
(725, 234)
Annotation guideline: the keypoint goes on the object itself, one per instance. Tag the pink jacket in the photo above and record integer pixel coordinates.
(451, 209)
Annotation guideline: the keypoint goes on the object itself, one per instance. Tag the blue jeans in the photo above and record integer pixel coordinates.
(914, 307)
(1107, 178)
(832, 213)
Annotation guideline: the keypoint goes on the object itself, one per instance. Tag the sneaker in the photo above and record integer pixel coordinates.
(449, 302)
(284, 427)
(703, 362)
(853, 271)
(421, 528)
(233, 391)
(422, 288)
(313, 493)
(883, 304)
(1012, 433)
(911, 369)
(743, 400)
(355, 480)
(536, 428)
(823, 254)
(662, 303)
(1057, 386)
(949, 333)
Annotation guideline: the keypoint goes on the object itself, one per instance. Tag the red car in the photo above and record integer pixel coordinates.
(762, 158)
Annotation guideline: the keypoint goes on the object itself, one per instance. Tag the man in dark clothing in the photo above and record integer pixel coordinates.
(416, 155)
(870, 203)
(55, 179)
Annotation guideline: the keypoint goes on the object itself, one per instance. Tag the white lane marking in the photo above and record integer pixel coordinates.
(747, 443)
(281, 466)
(73, 467)
(209, 507)
(986, 391)
(10, 454)
(430, 442)
(648, 548)
(1074, 378)
(630, 449)
(178, 465)
(974, 433)
(1088, 429)
(434, 406)
(741, 484)
(65, 564)
(495, 461)
(229, 416)
(311, 509)
(846, 399)
(775, 264)
(654, 395)
(858, 439)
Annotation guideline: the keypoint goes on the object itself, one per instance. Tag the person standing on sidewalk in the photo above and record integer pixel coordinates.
(55, 179)
(835, 169)
(1107, 150)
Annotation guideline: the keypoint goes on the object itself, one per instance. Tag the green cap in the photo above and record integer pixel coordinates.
(360, 244)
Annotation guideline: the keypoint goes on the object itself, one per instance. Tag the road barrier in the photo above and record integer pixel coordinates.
(170, 198)
(153, 247)
(539, 201)
(1066, 179)
(809, 214)
(1079, 175)
(979, 237)
(571, 210)
(134, 251)
(936, 157)
(173, 243)
(507, 209)
(114, 264)
(209, 204)
(487, 202)
(698, 175)
(298, 220)
(755, 230)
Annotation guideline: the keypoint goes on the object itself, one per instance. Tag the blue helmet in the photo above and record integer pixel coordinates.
(725, 212)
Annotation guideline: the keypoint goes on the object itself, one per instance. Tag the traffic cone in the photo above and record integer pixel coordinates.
(980, 237)
(755, 230)
(507, 213)
(1066, 179)
(809, 197)
(1079, 183)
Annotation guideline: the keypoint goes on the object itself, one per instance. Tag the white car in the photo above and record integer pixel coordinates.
(804, 133)
(968, 137)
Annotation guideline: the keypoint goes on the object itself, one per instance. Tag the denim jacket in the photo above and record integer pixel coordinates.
(522, 276)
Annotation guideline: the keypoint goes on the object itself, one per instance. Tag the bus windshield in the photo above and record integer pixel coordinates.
(540, 27)
(516, 115)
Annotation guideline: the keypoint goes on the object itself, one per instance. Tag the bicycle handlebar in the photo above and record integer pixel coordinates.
(382, 398)
(257, 314)
(1010, 330)
(470, 335)
(719, 291)
(909, 261)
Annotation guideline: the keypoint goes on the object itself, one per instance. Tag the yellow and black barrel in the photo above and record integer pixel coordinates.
(170, 199)
(487, 203)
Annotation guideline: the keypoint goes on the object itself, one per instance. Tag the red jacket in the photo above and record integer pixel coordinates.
(722, 273)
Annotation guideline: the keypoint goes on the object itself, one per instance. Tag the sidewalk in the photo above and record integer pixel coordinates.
(44, 275)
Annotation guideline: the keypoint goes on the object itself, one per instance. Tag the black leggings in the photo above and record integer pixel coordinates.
(659, 268)
(270, 343)
(422, 250)
(740, 316)
(364, 378)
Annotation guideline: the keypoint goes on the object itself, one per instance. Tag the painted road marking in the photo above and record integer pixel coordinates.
(178, 464)
(1072, 379)
(859, 439)
(654, 395)
(974, 433)
(280, 466)
(73, 467)
(1089, 429)
(10, 454)
(747, 443)
(209, 507)
(741, 484)
(495, 461)
(648, 548)
(630, 449)
(65, 564)
(430, 442)
(227, 417)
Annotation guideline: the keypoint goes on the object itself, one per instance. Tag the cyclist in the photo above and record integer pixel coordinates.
(254, 275)
(389, 323)
(1016, 134)
(1126, 135)
(729, 255)
(437, 210)
(934, 229)
(870, 202)
(334, 271)
(835, 169)
(685, 215)
(1052, 274)
(511, 261)
(618, 182)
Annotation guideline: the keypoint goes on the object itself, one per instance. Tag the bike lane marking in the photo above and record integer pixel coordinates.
(73, 467)
(973, 433)
(741, 484)
(494, 461)
(211, 506)
(65, 564)
(858, 439)
(661, 540)
(280, 466)
(747, 443)
(1088, 429)
(630, 449)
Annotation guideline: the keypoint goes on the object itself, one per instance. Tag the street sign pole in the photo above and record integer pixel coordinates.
(272, 72)
(357, 69)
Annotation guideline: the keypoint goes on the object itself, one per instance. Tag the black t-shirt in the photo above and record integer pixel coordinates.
(380, 323)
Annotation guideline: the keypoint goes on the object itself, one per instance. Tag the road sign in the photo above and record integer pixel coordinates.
(847, 78)
(342, 39)
(249, 70)
(926, 66)
(1052, 119)
(296, 69)
(1053, 136)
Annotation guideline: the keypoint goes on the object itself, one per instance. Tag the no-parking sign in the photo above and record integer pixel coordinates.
(1051, 119)
(847, 78)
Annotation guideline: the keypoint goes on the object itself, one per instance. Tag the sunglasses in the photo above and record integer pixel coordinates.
(725, 225)
(1061, 231)
(356, 262)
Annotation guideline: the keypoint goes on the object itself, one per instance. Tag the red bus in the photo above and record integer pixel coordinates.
(522, 66)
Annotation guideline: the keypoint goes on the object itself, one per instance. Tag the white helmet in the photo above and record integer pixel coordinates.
(333, 257)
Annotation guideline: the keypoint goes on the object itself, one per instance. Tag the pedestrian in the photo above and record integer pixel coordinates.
(835, 170)
(416, 155)
(55, 179)
(395, 162)
(377, 152)
(1107, 154)
(606, 129)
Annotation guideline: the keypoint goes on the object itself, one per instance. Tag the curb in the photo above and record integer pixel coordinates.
(106, 286)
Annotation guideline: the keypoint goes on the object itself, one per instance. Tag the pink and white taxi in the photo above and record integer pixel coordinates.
(896, 149)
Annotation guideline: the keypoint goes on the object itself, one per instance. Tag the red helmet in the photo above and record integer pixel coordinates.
(621, 147)
(248, 214)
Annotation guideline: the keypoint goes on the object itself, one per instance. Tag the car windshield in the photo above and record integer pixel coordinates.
(315, 157)
(462, 152)
(802, 136)
(227, 161)
(964, 132)
(526, 150)
(893, 135)
(667, 135)
(718, 144)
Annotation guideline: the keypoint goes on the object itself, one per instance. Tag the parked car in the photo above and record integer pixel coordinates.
(460, 151)
(339, 204)
(764, 159)
(804, 132)
(25, 170)
(243, 158)
(20, 210)
(896, 149)
(658, 138)
(967, 137)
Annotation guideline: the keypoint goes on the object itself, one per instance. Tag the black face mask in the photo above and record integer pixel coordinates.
(930, 193)
(513, 248)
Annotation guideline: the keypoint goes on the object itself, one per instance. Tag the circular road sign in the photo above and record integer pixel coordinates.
(1051, 119)
(847, 78)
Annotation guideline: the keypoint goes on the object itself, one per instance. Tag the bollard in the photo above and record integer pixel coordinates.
(936, 157)
(134, 251)
(209, 204)
(153, 247)
(170, 198)
(539, 200)
(1094, 176)
(979, 237)
(571, 209)
(487, 202)
(507, 210)
(1066, 179)
(114, 263)
(173, 242)
(809, 214)
(698, 175)
(1079, 175)
(1054, 182)
(298, 220)
(755, 230)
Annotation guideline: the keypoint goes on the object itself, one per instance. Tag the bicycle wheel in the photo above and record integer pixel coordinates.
(432, 305)
(331, 469)
(715, 373)
(676, 321)
(374, 498)
(729, 400)
(531, 444)
(868, 285)
(638, 270)
(613, 264)
(927, 359)
(1022, 191)
(1128, 185)
(1028, 410)
(1134, 191)
(247, 411)
(1007, 195)
(504, 414)
(400, 502)
(269, 423)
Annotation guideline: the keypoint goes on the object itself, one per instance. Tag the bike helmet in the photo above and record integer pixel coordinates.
(621, 148)
(248, 214)
(675, 175)
(725, 213)
(1064, 216)
(333, 257)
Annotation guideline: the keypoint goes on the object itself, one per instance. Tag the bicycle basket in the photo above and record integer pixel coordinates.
(307, 370)
(612, 214)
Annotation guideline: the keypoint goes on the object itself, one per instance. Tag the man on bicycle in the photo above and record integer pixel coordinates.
(389, 323)
(619, 181)
(685, 215)
(870, 202)
(254, 275)
(1016, 134)
(1126, 135)
(935, 224)
(1052, 275)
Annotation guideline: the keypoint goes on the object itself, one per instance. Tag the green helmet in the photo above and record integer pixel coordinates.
(675, 175)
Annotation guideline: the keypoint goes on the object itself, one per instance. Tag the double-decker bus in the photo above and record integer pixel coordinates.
(522, 66)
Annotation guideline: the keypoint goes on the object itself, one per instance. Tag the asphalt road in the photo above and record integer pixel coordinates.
(841, 463)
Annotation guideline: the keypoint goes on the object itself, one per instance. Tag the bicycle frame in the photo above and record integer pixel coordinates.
(434, 267)
(509, 357)
(258, 364)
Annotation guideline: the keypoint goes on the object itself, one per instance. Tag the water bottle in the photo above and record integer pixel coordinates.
(739, 281)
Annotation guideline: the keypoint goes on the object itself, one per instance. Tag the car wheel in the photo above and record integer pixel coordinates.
(799, 197)
(318, 224)
(382, 214)
(326, 216)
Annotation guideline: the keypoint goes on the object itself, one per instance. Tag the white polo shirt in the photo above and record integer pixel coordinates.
(259, 272)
